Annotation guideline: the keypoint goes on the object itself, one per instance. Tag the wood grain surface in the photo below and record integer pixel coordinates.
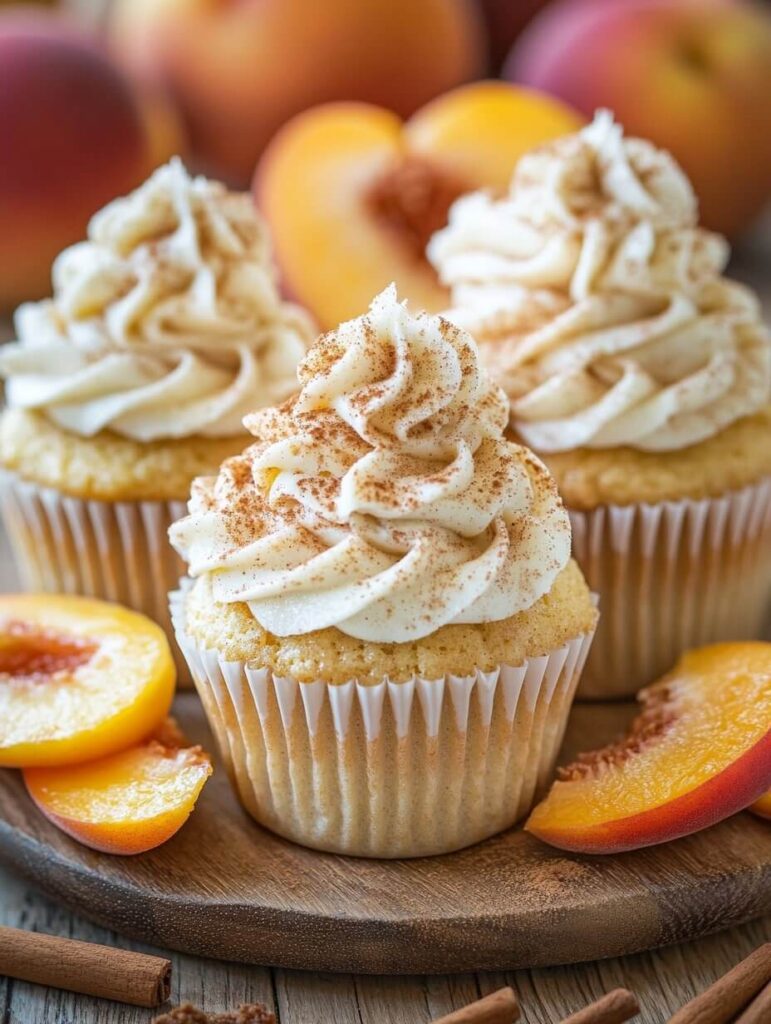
(224, 887)
(663, 980)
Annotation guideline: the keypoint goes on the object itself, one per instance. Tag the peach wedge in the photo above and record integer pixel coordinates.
(353, 194)
(699, 752)
(79, 679)
(126, 803)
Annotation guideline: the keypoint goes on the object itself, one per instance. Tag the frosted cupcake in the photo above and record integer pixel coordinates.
(385, 627)
(642, 377)
(165, 327)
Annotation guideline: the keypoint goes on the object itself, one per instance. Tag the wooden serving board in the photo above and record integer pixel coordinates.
(225, 888)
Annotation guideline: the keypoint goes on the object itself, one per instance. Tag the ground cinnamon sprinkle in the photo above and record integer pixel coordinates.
(254, 1013)
(657, 716)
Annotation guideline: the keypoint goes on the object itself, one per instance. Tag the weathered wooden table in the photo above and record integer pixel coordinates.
(663, 979)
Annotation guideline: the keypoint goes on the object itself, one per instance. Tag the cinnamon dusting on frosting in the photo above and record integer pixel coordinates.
(598, 302)
(165, 323)
(383, 499)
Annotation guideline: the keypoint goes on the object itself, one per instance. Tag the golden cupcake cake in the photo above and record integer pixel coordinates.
(164, 329)
(383, 621)
(641, 375)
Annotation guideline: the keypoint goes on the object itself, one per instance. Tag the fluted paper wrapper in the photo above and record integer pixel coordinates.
(672, 576)
(114, 551)
(393, 769)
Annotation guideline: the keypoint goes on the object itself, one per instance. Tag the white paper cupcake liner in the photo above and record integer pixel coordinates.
(393, 769)
(672, 576)
(116, 551)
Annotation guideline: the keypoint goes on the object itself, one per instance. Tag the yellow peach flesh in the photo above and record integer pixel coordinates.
(126, 803)
(352, 193)
(703, 753)
(113, 687)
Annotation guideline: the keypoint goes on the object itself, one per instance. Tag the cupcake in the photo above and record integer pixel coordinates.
(165, 328)
(640, 375)
(385, 625)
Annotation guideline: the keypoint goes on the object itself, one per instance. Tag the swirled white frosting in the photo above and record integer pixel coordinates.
(165, 323)
(598, 302)
(383, 500)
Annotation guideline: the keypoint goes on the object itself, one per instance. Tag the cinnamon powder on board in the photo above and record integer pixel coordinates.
(254, 1013)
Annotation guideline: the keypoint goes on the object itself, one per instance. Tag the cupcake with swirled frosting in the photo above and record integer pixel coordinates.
(164, 329)
(385, 624)
(640, 374)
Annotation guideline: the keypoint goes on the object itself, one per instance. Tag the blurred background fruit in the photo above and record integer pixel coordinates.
(504, 20)
(694, 76)
(75, 134)
(241, 68)
(353, 194)
(165, 132)
(97, 93)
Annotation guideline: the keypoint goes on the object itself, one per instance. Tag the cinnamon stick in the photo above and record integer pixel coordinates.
(759, 1010)
(499, 1007)
(85, 967)
(731, 993)
(614, 1008)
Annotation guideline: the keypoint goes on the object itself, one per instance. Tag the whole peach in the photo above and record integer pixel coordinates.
(72, 138)
(694, 76)
(241, 68)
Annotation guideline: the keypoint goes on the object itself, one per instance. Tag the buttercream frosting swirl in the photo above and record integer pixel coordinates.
(598, 302)
(166, 322)
(383, 499)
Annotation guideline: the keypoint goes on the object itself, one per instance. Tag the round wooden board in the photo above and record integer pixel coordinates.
(223, 887)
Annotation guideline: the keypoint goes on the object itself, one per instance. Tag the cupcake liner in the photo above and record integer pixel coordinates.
(116, 551)
(672, 576)
(393, 769)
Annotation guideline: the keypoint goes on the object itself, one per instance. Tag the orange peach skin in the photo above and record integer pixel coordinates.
(241, 68)
(711, 759)
(106, 696)
(126, 803)
(314, 182)
(73, 139)
(762, 807)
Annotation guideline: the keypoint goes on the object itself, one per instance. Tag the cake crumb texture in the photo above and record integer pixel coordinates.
(107, 467)
(737, 457)
(330, 656)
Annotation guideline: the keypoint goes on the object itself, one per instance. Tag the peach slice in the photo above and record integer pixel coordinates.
(762, 807)
(353, 194)
(79, 679)
(699, 752)
(126, 803)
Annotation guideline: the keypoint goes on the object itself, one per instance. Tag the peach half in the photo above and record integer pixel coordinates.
(353, 194)
(699, 752)
(126, 803)
(79, 679)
